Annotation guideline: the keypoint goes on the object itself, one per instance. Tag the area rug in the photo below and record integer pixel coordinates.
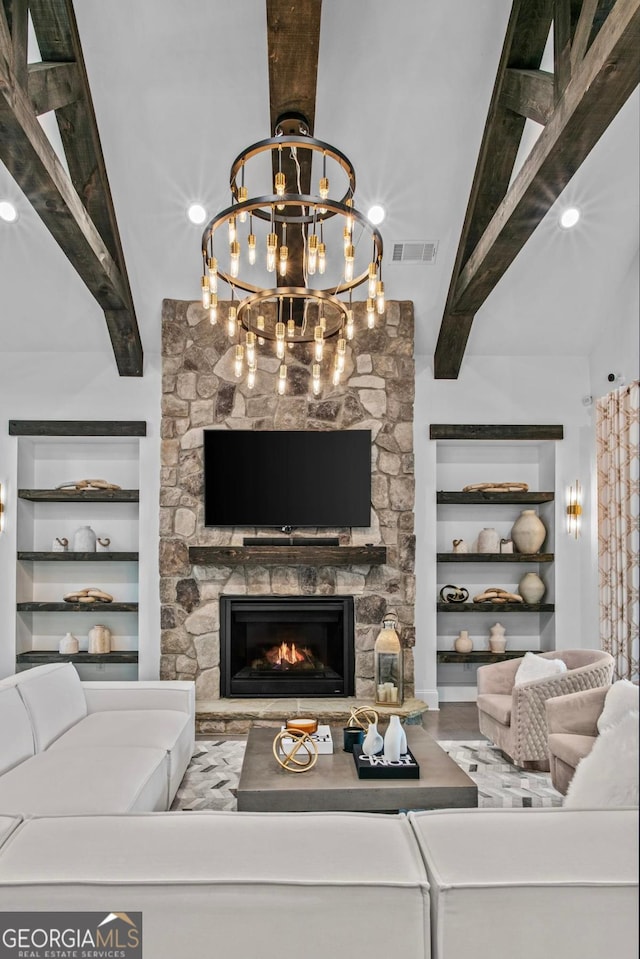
(211, 779)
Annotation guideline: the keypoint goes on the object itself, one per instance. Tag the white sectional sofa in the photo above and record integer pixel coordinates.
(71, 747)
(491, 883)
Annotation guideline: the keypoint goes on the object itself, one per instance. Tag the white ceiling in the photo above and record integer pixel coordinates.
(180, 89)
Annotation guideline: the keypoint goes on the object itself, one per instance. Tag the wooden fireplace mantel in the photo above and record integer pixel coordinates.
(287, 555)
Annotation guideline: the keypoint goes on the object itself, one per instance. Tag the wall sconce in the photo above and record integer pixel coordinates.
(574, 510)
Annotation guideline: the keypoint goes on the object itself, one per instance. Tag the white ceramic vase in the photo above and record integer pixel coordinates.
(68, 644)
(462, 643)
(373, 741)
(497, 639)
(488, 541)
(84, 540)
(393, 740)
(528, 532)
(531, 588)
(99, 639)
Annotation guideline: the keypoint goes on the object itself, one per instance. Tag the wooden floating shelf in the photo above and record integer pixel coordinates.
(73, 557)
(495, 431)
(77, 428)
(38, 656)
(495, 557)
(496, 607)
(287, 555)
(77, 607)
(481, 656)
(80, 496)
(477, 496)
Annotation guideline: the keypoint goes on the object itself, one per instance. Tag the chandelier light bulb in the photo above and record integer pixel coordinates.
(380, 297)
(280, 184)
(346, 237)
(243, 195)
(280, 333)
(291, 329)
(349, 257)
(251, 246)
(251, 348)
(272, 247)
(231, 321)
(251, 375)
(260, 326)
(335, 378)
(323, 189)
(371, 313)
(312, 254)
(213, 309)
(322, 258)
(282, 379)
(341, 351)
(283, 262)
(212, 270)
(233, 231)
(238, 361)
(349, 326)
(349, 202)
(235, 258)
(372, 278)
(206, 294)
(318, 339)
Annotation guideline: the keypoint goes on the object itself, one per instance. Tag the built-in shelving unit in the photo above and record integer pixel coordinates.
(52, 453)
(468, 454)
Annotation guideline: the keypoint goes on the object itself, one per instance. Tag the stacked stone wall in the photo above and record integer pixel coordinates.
(200, 391)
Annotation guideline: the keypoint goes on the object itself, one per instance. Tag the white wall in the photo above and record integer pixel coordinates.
(82, 386)
(617, 350)
(518, 390)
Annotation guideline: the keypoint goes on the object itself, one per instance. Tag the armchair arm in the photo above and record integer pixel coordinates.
(576, 713)
(160, 694)
(497, 677)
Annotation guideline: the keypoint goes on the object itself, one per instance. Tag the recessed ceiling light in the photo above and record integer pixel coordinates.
(8, 211)
(197, 213)
(376, 214)
(569, 217)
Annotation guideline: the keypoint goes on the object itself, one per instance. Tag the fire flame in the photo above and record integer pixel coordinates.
(289, 654)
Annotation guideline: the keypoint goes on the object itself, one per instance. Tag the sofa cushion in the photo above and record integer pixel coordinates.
(496, 705)
(16, 735)
(620, 700)
(7, 825)
(608, 777)
(569, 747)
(54, 700)
(244, 885)
(165, 729)
(531, 883)
(535, 667)
(87, 780)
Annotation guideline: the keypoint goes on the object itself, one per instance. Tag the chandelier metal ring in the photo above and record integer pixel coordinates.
(271, 144)
(250, 206)
(286, 293)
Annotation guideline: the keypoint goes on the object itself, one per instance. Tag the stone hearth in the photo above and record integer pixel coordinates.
(200, 391)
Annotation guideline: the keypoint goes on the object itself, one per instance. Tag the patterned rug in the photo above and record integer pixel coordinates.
(211, 780)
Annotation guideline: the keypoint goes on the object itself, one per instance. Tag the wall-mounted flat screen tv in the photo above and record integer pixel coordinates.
(287, 478)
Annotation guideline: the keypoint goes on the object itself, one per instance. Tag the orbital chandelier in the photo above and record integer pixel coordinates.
(292, 255)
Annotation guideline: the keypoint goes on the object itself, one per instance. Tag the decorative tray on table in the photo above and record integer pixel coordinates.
(377, 767)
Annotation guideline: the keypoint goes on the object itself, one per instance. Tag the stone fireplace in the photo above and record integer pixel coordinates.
(201, 391)
(283, 646)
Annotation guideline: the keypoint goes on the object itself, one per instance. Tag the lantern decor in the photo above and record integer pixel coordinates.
(387, 654)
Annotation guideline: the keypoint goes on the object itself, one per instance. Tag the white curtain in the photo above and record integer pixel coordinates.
(617, 424)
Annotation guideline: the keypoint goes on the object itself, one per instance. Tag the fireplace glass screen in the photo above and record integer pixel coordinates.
(286, 646)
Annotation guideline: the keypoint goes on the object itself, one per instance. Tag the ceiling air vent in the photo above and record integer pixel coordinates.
(414, 251)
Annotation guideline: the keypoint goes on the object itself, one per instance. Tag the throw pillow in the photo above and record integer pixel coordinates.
(535, 667)
(620, 700)
(607, 777)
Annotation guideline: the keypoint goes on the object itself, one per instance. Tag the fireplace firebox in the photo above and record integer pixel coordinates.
(285, 646)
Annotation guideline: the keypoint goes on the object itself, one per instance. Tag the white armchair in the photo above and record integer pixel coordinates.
(514, 717)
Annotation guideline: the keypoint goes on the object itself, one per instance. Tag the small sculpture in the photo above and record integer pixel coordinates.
(497, 595)
(454, 594)
(102, 545)
(362, 716)
(88, 596)
(373, 741)
(301, 754)
(60, 544)
(496, 488)
(86, 484)
(506, 546)
(497, 640)
(459, 546)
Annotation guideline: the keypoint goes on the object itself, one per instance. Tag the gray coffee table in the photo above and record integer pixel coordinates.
(333, 784)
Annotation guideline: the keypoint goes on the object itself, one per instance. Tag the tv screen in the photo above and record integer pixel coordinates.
(287, 478)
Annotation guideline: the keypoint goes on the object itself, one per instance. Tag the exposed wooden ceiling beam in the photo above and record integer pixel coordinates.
(293, 40)
(77, 210)
(599, 85)
(530, 93)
